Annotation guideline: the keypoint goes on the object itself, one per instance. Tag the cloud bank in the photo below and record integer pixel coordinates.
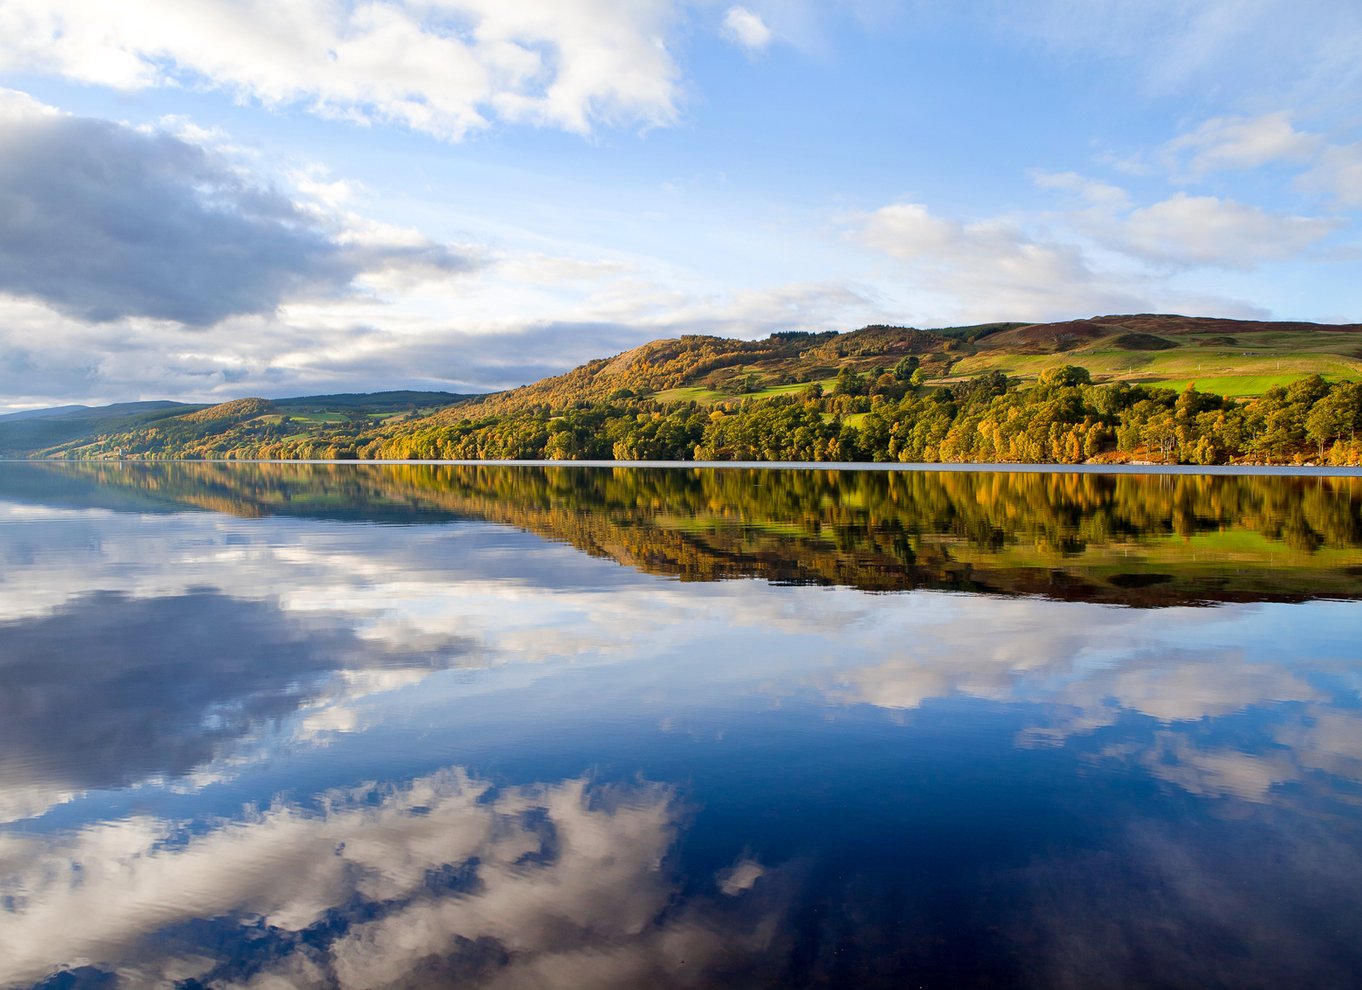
(105, 222)
(447, 68)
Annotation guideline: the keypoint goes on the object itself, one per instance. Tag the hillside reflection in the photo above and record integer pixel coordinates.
(1127, 539)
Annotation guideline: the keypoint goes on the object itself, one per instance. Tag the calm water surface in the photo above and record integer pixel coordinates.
(366, 726)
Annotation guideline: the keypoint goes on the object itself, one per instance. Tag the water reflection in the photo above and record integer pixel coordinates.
(252, 733)
(1128, 539)
(443, 879)
(107, 689)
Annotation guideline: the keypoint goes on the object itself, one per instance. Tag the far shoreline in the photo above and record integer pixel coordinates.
(1246, 470)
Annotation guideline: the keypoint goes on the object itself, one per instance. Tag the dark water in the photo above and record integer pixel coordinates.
(363, 726)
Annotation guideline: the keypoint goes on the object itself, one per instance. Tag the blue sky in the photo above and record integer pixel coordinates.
(207, 199)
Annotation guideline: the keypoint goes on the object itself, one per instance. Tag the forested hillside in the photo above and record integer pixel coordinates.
(1145, 388)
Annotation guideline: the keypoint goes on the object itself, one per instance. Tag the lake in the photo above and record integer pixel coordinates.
(371, 726)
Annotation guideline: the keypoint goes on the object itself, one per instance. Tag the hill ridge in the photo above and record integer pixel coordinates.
(878, 392)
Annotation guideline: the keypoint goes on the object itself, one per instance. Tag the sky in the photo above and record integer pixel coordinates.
(208, 199)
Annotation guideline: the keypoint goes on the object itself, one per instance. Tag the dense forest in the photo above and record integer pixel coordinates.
(880, 394)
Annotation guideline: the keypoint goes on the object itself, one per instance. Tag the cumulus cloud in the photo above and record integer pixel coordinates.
(446, 68)
(1183, 229)
(992, 268)
(104, 222)
(747, 29)
(1243, 143)
(16, 105)
(1208, 230)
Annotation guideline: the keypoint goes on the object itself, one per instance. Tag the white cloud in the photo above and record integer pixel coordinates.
(1185, 230)
(445, 67)
(992, 269)
(1208, 230)
(1092, 191)
(746, 28)
(1243, 143)
(17, 106)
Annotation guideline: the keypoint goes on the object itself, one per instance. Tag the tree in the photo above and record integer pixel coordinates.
(1335, 416)
(1161, 431)
(850, 381)
(1064, 376)
(903, 371)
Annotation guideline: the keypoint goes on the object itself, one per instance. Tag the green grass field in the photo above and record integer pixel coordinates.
(1243, 386)
(691, 393)
(1235, 373)
(708, 396)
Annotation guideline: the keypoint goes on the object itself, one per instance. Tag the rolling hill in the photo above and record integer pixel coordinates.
(1246, 357)
(881, 392)
(23, 434)
(144, 427)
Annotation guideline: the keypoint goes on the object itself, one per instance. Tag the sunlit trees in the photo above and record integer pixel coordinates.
(873, 416)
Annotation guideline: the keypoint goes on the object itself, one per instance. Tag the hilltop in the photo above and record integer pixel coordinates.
(1146, 386)
(1230, 357)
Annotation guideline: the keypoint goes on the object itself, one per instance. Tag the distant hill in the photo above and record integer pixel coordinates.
(40, 413)
(129, 427)
(36, 429)
(881, 392)
(373, 401)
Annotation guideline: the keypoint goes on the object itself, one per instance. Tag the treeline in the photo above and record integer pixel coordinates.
(882, 414)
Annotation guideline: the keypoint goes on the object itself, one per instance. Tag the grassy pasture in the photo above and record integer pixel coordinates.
(706, 396)
(691, 393)
(1251, 365)
(1236, 387)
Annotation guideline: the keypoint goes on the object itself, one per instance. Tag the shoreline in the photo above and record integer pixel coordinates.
(1247, 470)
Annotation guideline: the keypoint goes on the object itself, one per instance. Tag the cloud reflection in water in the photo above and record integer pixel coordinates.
(106, 690)
(440, 879)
